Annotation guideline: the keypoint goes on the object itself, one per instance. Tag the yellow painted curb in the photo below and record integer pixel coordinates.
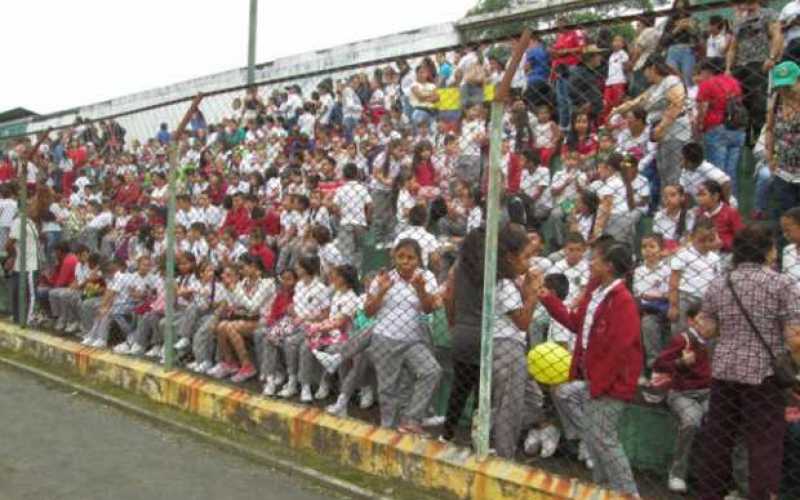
(374, 450)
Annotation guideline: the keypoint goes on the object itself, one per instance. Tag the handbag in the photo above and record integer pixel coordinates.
(783, 366)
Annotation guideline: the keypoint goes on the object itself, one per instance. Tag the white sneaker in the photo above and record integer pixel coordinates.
(367, 398)
(339, 408)
(192, 366)
(99, 344)
(290, 389)
(182, 344)
(223, 370)
(204, 366)
(60, 324)
(271, 387)
(533, 442)
(590, 464)
(676, 484)
(122, 348)
(434, 421)
(324, 390)
(583, 452)
(72, 328)
(87, 341)
(550, 436)
(305, 394)
(330, 362)
(153, 352)
(137, 350)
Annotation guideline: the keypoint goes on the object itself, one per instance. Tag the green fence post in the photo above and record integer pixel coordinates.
(169, 283)
(489, 280)
(22, 248)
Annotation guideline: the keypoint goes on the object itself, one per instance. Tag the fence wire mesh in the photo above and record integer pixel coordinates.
(330, 248)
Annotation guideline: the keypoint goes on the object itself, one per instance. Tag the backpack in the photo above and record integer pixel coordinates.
(736, 114)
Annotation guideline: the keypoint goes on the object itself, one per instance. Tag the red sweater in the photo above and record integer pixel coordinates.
(266, 255)
(613, 359)
(65, 274)
(514, 173)
(128, 195)
(685, 378)
(239, 220)
(425, 174)
(280, 304)
(727, 221)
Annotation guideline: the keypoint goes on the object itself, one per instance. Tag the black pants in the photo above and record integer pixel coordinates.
(466, 377)
(754, 89)
(538, 94)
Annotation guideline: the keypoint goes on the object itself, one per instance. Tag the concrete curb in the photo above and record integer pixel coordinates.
(370, 449)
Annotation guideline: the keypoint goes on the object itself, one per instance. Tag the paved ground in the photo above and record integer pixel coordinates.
(57, 445)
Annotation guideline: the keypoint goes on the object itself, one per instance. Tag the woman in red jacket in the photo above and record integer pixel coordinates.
(605, 365)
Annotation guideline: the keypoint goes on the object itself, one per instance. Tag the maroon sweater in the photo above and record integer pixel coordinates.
(685, 377)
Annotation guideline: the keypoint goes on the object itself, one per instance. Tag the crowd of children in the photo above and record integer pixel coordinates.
(281, 210)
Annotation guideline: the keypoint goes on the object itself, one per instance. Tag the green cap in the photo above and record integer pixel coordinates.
(785, 74)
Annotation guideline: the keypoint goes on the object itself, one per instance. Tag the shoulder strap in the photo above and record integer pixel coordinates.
(749, 319)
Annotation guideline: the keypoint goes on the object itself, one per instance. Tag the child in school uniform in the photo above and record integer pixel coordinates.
(334, 329)
(790, 259)
(684, 365)
(273, 328)
(310, 304)
(249, 297)
(651, 289)
(574, 266)
(674, 220)
(693, 269)
(398, 347)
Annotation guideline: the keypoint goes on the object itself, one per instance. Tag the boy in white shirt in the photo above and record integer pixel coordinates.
(91, 233)
(693, 269)
(8, 210)
(696, 170)
(417, 217)
(651, 288)
(574, 266)
(535, 187)
(352, 203)
(564, 191)
(473, 135)
(196, 239)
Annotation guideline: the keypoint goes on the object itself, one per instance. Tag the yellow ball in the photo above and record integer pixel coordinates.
(549, 363)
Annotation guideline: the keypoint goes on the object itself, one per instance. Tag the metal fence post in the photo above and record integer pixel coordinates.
(169, 285)
(489, 279)
(490, 255)
(22, 248)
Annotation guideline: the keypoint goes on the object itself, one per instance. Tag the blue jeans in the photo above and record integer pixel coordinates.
(563, 102)
(470, 95)
(763, 183)
(681, 57)
(650, 172)
(51, 240)
(420, 116)
(723, 149)
(349, 123)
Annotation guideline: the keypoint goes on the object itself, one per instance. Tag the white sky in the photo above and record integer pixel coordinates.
(59, 54)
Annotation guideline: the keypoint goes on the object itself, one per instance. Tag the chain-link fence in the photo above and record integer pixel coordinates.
(542, 275)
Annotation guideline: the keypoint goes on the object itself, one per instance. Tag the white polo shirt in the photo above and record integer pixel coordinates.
(400, 315)
(352, 198)
(697, 270)
(507, 299)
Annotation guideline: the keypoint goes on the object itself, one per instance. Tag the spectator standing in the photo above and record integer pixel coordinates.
(163, 135)
(783, 128)
(586, 84)
(723, 141)
(665, 103)
(756, 49)
(537, 67)
(745, 398)
(605, 366)
(680, 38)
(566, 55)
(644, 45)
